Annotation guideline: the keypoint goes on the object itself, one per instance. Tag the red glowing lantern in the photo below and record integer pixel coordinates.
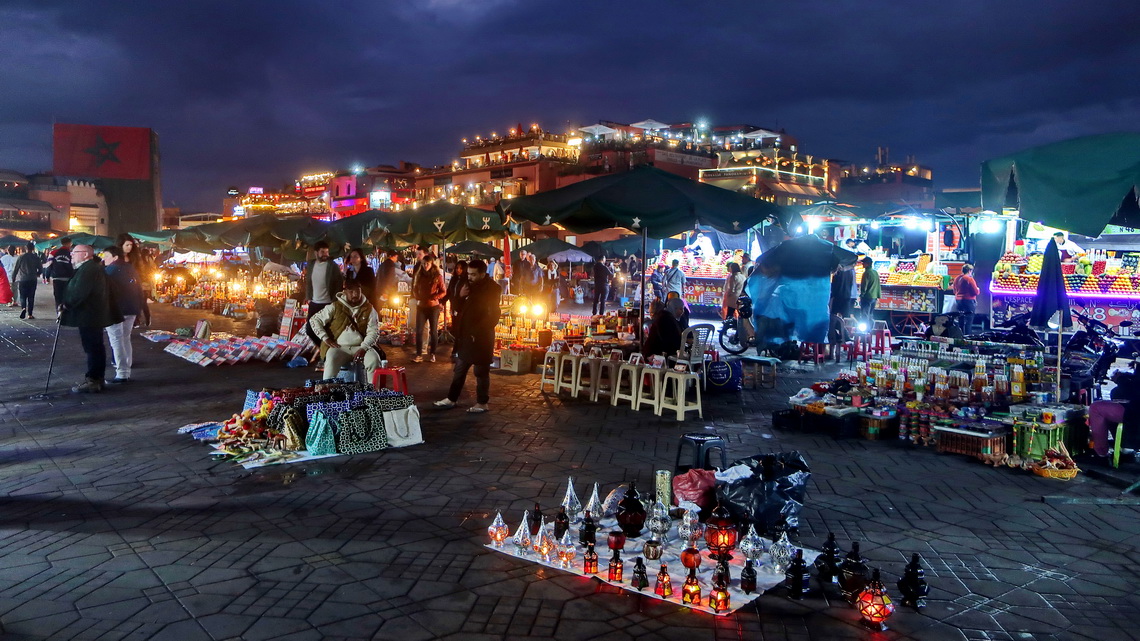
(718, 600)
(874, 604)
(721, 534)
(590, 560)
(691, 590)
(664, 587)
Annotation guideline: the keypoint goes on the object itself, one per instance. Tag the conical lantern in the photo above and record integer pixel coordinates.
(536, 532)
(781, 553)
(912, 585)
(852, 574)
(566, 550)
(546, 548)
(498, 530)
(874, 604)
(521, 538)
(571, 503)
(594, 505)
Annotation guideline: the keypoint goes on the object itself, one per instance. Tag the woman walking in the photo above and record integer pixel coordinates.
(26, 274)
(144, 273)
(429, 291)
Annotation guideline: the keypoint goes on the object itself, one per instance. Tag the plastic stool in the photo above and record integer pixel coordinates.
(882, 338)
(653, 380)
(570, 363)
(860, 346)
(679, 401)
(586, 379)
(813, 352)
(607, 370)
(399, 378)
(550, 363)
(702, 446)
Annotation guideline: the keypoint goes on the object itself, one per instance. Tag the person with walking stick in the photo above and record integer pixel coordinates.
(87, 306)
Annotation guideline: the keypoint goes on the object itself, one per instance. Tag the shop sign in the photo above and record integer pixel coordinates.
(378, 199)
(683, 159)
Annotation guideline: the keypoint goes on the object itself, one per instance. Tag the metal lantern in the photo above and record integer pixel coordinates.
(718, 599)
(913, 585)
(664, 587)
(782, 552)
(588, 532)
(659, 522)
(561, 522)
(498, 530)
(827, 563)
(616, 568)
(594, 505)
(752, 545)
(640, 579)
(545, 547)
(566, 551)
(748, 578)
(874, 604)
(852, 574)
(630, 511)
(691, 590)
(798, 578)
(690, 528)
(521, 538)
(570, 501)
(590, 560)
(652, 550)
(537, 532)
(721, 534)
(536, 521)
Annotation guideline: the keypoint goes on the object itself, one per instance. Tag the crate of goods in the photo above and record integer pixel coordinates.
(979, 445)
(786, 419)
(873, 428)
(518, 361)
(1030, 440)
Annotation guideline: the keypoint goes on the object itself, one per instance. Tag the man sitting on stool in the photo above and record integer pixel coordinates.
(347, 329)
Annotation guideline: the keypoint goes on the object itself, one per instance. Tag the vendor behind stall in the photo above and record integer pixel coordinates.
(1069, 250)
(347, 329)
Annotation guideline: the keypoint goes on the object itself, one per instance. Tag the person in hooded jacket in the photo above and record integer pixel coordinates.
(348, 330)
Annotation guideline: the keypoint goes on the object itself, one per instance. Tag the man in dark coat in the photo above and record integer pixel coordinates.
(602, 277)
(664, 337)
(88, 306)
(475, 337)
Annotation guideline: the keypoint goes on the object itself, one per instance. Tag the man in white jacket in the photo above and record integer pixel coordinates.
(347, 329)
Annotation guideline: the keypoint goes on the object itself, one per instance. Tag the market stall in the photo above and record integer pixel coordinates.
(704, 275)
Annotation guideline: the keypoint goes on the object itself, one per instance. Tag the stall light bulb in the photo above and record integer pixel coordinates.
(874, 224)
(395, 300)
(523, 309)
(537, 310)
(990, 226)
(909, 223)
(862, 327)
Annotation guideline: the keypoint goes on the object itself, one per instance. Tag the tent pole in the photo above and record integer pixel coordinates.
(1060, 334)
(640, 307)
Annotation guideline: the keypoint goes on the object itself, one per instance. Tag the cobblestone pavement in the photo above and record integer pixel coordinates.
(115, 527)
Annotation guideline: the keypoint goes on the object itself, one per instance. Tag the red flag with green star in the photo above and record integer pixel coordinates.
(102, 152)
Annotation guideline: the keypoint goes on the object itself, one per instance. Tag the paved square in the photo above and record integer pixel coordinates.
(114, 527)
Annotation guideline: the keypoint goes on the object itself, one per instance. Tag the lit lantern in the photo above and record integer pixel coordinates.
(590, 560)
(630, 512)
(498, 530)
(566, 551)
(570, 501)
(874, 604)
(616, 542)
(588, 533)
(691, 590)
(852, 574)
(640, 578)
(718, 599)
(521, 538)
(536, 533)
(720, 534)
(546, 548)
(664, 587)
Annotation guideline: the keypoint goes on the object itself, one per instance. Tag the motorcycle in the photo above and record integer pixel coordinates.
(1014, 331)
(737, 333)
(1090, 352)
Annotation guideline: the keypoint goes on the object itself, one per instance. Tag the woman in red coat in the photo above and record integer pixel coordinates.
(5, 287)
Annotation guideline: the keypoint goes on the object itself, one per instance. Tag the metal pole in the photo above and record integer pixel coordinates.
(641, 293)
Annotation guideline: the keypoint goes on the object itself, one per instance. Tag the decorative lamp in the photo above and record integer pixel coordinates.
(827, 563)
(521, 538)
(640, 579)
(616, 542)
(545, 547)
(561, 522)
(498, 530)
(720, 534)
(664, 587)
(720, 573)
(590, 559)
(782, 552)
(874, 604)
(652, 550)
(588, 533)
(659, 522)
(690, 528)
(570, 501)
(718, 599)
(798, 578)
(537, 532)
(752, 545)
(913, 585)
(691, 590)
(594, 505)
(852, 574)
(630, 511)
(536, 521)
(748, 578)
(566, 551)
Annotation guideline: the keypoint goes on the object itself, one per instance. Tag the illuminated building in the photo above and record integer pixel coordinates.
(887, 183)
(379, 187)
(22, 213)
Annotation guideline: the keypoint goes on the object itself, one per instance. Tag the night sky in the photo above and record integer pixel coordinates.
(255, 93)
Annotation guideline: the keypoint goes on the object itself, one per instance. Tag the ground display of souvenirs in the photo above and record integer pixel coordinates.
(117, 527)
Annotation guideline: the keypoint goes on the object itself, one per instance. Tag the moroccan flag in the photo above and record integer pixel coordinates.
(102, 152)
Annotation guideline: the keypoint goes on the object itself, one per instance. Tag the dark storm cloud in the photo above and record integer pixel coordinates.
(256, 92)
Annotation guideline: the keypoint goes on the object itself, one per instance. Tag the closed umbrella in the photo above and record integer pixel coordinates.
(1052, 300)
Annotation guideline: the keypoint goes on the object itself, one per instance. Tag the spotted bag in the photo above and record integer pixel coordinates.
(357, 433)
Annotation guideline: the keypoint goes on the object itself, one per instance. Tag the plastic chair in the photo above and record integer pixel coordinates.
(702, 446)
(586, 379)
(550, 362)
(606, 376)
(679, 400)
(569, 364)
(651, 379)
(399, 378)
(633, 369)
(695, 341)
(881, 338)
(813, 352)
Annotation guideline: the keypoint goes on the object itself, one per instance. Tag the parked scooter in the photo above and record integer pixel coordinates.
(737, 333)
(1090, 353)
(1014, 331)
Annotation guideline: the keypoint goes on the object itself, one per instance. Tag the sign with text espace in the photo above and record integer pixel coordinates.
(101, 152)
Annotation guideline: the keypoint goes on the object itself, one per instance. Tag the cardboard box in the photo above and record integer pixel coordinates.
(517, 361)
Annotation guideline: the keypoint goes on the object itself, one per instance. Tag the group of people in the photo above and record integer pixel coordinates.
(343, 317)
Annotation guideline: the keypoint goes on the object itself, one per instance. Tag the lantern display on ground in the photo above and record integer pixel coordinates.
(536, 533)
(521, 538)
(537, 520)
(561, 522)
(852, 574)
(590, 559)
(498, 530)
(690, 527)
(616, 542)
(752, 545)
(659, 522)
(691, 590)
(630, 512)
(545, 547)
(594, 505)
(718, 598)
(912, 586)
(781, 553)
(570, 501)
(720, 534)
(874, 604)
(748, 578)
(640, 579)
(664, 587)
(588, 532)
(797, 579)
(827, 563)
(566, 551)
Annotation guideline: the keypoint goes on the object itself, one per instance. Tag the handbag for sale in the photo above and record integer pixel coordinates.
(294, 429)
(330, 408)
(250, 399)
(313, 382)
(302, 402)
(321, 437)
(357, 433)
(388, 403)
(290, 394)
(402, 427)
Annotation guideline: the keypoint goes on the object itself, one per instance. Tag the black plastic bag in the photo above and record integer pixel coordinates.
(772, 498)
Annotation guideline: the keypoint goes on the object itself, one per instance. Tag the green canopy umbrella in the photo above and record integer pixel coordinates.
(356, 230)
(1078, 185)
(163, 238)
(646, 199)
(191, 240)
(623, 247)
(445, 221)
(12, 241)
(547, 247)
(302, 229)
(98, 242)
(474, 248)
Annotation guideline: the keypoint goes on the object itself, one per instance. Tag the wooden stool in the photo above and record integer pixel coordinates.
(550, 363)
(763, 370)
(651, 379)
(679, 401)
(399, 378)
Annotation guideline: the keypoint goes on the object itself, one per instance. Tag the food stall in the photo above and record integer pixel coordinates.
(704, 276)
